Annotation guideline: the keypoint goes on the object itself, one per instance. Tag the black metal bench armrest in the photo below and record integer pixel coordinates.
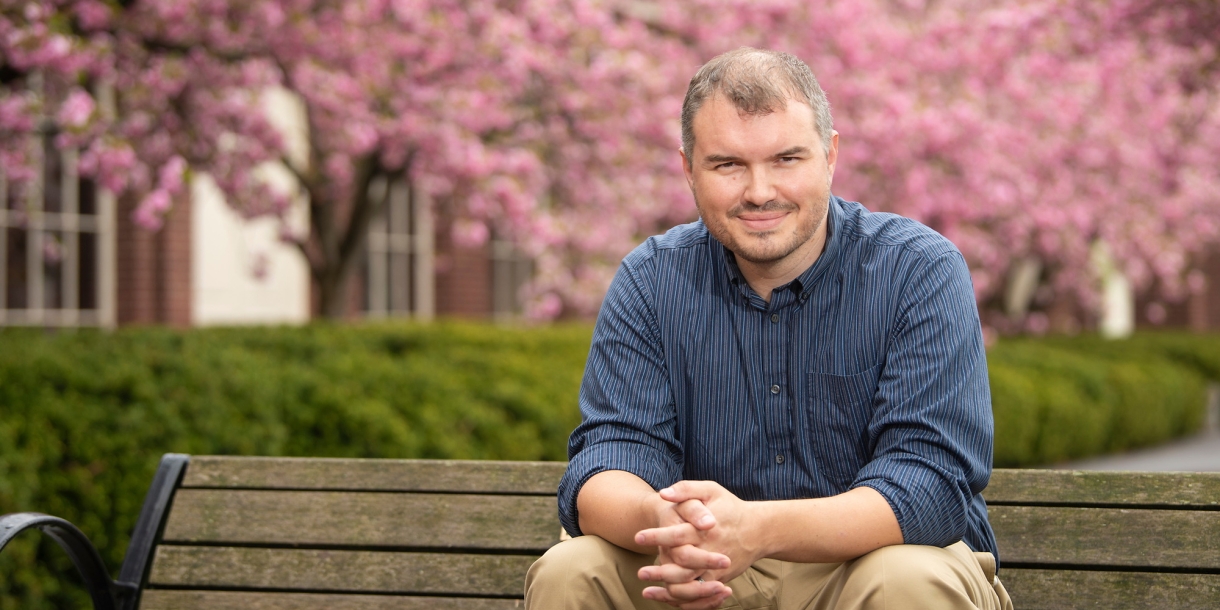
(106, 593)
(148, 528)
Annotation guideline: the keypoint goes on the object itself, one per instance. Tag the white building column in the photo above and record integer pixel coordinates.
(1117, 298)
(241, 272)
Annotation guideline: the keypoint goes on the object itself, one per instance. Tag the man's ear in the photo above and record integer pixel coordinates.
(832, 155)
(687, 168)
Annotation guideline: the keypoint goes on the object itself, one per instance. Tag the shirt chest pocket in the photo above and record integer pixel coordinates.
(838, 409)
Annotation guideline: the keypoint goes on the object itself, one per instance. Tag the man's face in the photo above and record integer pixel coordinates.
(761, 183)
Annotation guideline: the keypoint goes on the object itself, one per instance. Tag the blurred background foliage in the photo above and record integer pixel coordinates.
(1058, 143)
(86, 415)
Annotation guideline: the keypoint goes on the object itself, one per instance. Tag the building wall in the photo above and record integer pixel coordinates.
(1199, 312)
(1205, 307)
(153, 268)
(241, 272)
(463, 277)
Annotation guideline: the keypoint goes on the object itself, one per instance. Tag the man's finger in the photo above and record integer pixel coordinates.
(694, 558)
(671, 535)
(670, 573)
(707, 603)
(697, 514)
(682, 491)
(687, 593)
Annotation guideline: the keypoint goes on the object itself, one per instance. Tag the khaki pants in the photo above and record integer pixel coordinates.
(588, 572)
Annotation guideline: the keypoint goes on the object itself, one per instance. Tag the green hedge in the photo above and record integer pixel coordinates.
(1057, 399)
(84, 416)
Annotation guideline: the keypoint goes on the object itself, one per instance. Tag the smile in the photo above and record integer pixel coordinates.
(762, 221)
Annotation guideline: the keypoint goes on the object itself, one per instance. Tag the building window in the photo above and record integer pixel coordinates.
(56, 246)
(510, 270)
(398, 272)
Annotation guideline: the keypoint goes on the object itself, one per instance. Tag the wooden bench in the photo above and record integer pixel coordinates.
(228, 533)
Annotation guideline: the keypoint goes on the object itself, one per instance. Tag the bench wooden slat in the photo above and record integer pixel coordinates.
(1059, 589)
(312, 570)
(464, 476)
(1201, 489)
(364, 519)
(352, 534)
(161, 599)
(1107, 536)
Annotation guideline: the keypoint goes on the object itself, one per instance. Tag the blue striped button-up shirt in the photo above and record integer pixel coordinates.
(867, 370)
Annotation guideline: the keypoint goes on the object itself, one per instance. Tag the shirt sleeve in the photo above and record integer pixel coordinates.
(626, 403)
(932, 420)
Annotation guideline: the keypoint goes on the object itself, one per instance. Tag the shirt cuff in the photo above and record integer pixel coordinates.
(654, 466)
(930, 509)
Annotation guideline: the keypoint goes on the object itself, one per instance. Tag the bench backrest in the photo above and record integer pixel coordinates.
(336, 534)
(1121, 540)
(296, 533)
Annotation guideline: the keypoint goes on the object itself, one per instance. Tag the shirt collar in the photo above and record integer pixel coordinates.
(834, 241)
(834, 226)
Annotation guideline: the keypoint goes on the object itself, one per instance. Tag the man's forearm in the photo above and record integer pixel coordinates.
(823, 530)
(614, 505)
(817, 530)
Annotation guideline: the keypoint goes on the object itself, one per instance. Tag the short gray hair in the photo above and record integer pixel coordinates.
(757, 82)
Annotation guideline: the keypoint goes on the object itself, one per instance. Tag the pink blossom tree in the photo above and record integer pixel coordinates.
(545, 121)
(1023, 130)
(1020, 130)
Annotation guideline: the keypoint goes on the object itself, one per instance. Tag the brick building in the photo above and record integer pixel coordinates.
(70, 255)
(1200, 311)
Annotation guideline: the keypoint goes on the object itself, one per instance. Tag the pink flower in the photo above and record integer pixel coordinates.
(151, 210)
(93, 15)
(470, 233)
(172, 174)
(1156, 313)
(260, 267)
(76, 109)
(364, 138)
(546, 307)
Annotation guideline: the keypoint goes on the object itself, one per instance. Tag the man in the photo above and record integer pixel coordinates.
(802, 380)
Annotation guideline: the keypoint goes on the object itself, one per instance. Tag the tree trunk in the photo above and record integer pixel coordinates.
(340, 252)
(332, 295)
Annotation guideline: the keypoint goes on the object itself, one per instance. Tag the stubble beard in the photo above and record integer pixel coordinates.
(765, 250)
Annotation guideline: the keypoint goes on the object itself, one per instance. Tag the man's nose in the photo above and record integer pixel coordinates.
(761, 186)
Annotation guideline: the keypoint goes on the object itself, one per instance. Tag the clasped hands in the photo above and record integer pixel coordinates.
(703, 541)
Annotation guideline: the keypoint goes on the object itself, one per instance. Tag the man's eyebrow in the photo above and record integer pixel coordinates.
(787, 152)
(792, 152)
(717, 159)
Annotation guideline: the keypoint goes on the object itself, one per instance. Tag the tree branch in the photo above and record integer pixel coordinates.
(172, 48)
(301, 178)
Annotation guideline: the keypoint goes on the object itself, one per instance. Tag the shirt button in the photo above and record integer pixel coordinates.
(775, 318)
(779, 459)
(775, 389)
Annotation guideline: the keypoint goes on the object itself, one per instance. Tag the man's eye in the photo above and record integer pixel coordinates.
(725, 165)
(789, 159)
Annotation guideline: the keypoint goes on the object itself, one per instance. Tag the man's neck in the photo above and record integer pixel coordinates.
(764, 278)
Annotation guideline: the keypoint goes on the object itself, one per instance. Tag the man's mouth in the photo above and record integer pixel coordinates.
(761, 221)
